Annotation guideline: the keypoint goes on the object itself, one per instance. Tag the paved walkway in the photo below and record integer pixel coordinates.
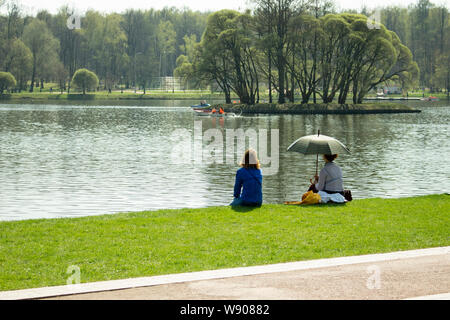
(423, 274)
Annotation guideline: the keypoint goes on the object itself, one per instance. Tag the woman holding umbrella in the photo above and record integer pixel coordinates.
(330, 178)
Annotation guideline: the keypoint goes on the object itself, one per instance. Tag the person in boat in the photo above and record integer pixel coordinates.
(330, 178)
(213, 110)
(248, 183)
(221, 111)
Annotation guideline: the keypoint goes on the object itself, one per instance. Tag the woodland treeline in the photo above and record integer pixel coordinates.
(279, 48)
(127, 48)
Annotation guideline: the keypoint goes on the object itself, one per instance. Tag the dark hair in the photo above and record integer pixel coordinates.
(330, 157)
(250, 160)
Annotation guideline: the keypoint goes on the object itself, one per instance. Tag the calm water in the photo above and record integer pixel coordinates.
(67, 161)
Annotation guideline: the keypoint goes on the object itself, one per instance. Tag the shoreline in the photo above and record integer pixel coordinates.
(243, 209)
(332, 108)
(260, 108)
(103, 96)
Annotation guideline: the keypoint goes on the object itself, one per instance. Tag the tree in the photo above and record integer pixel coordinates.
(306, 34)
(71, 41)
(278, 15)
(184, 69)
(19, 62)
(7, 80)
(227, 55)
(84, 80)
(188, 47)
(211, 62)
(61, 75)
(442, 75)
(44, 48)
(382, 58)
(166, 43)
(112, 49)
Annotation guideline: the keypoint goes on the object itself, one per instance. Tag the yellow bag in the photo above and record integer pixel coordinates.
(307, 198)
(310, 198)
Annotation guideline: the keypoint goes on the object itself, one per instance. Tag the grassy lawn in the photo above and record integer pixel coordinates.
(440, 95)
(128, 94)
(35, 253)
(115, 95)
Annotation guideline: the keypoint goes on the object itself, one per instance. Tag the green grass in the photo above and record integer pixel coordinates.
(128, 94)
(115, 95)
(35, 253)
(440, 95)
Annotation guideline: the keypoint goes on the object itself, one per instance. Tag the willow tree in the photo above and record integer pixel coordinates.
(43, 46)
(331, 61)
(382, 58)
(277, 15)
(227, 55)
(211, 61)
(19, 61)
(85, 79)
(356, 58)
(306, 33)
(184, 70)
(7, 80)
(237, 38)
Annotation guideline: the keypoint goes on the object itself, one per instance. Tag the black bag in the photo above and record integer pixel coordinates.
(348, 195)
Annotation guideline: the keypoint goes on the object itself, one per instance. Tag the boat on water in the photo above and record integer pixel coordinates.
(201, 106)
(209, 113)
(430, 98)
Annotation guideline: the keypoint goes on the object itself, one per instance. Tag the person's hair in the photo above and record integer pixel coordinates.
(330, 157)
(250, 160)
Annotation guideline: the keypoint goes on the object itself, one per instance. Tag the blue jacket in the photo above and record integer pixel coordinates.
(250, 181)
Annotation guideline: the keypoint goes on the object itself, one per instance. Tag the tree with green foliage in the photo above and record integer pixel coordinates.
(44, 48)
(166, 43)
(228, 56)
(184, 70)
(211, 62)
(7, 80)
(85, 79)
(442, 76)
(19, 62)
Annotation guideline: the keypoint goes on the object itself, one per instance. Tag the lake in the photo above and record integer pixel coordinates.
(75, 160)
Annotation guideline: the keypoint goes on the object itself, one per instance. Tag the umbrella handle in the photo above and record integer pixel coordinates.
(317, 158)
(317, 163)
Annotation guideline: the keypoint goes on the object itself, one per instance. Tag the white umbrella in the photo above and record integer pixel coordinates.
(318, 144)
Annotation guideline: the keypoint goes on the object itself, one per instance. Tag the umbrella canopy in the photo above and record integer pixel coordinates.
(318, 144)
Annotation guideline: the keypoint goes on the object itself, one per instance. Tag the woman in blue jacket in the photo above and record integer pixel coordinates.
(248, 185)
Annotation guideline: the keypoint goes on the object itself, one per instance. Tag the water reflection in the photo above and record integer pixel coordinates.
(74, 160)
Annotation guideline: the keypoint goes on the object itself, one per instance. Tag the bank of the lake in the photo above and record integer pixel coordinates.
(25, 97)
(318, 108)
(36, 253)
(263, 108)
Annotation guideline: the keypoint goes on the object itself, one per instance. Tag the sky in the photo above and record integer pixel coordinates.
(32, 6)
